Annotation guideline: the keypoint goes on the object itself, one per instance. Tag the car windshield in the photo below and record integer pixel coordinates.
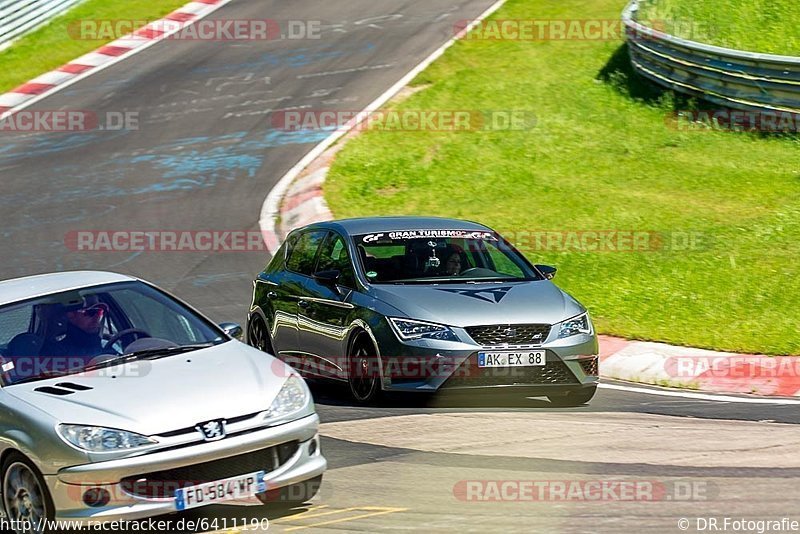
(67, 333)
(440, 256)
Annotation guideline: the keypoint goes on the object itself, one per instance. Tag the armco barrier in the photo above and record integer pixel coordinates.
(20, 16)
(732, 78)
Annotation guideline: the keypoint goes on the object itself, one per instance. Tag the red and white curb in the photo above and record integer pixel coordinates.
(700, 369)
(105, 56)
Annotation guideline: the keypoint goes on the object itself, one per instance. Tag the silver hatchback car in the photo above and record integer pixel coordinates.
(422, 304)
(118, 401)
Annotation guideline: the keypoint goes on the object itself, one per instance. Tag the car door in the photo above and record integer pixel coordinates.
(288, 290)
(325, 309)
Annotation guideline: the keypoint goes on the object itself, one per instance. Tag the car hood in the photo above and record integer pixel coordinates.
(462, 305)
(170, 393)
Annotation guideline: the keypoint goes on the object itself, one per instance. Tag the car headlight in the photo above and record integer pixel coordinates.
(291, 398)
(577, 325)
(408, 329)
(99, 439)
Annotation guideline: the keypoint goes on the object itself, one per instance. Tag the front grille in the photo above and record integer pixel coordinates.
(509, 334)
(468, 374)
(162, 484)
(589, 366)
(193, 429)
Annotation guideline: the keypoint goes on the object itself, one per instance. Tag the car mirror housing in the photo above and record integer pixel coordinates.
(548, 271)
(232, 329)
(328, 278)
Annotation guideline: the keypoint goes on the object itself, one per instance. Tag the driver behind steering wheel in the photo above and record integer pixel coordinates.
(453, 265)
(83, 336)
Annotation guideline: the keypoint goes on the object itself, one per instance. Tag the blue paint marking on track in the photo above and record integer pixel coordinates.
(184, 164)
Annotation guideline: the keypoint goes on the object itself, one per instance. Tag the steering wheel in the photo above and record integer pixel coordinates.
(138, 332)
(469, 271)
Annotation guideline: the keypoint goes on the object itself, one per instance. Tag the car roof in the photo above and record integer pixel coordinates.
(18, 289)
(366, 225)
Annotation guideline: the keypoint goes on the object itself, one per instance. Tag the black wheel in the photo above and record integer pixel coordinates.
(26, 499)
(291, 496)
(363, 375)
(573, 398)
(258, 335)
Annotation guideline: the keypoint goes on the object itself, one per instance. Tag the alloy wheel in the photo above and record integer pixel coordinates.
(258, 336)
(363, 376)
(23, 498)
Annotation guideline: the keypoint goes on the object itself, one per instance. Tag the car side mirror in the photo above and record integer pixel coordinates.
(328, 278)
(548, 271)
(232, 329)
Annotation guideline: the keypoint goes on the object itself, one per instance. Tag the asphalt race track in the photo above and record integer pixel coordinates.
(205, 156)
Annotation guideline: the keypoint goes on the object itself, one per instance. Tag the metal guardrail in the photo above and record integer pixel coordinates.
(20, 16)
(733, 78)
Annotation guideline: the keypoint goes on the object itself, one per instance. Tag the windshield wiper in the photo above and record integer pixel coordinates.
(37, 378)
(166, 351)
(147, 354)
(120, 359)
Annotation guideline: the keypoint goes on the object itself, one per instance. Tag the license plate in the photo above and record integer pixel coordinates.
(522, 358)
(238, 487)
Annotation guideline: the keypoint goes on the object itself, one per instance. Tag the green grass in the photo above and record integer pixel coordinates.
(771, 26)
(51, 46)
(600, 157)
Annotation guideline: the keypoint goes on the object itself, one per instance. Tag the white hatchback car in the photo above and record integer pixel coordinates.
(118, 401)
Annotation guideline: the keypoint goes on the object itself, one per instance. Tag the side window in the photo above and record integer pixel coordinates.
(302, 254)
(276, 262)
(13, 321)
(334, 256)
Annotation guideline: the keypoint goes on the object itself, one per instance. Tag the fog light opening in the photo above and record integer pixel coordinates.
(312, 447)
(96, 497)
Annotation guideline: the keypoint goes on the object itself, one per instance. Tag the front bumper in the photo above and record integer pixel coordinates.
(69, 485)
(431, 366)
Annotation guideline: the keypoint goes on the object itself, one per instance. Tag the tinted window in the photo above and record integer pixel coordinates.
(14, 321)
(334, 256)
(304, 251)
(62, 333)
(419, 256)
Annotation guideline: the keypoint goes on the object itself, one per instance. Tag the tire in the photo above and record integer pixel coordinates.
(362, 373)
(573, 398)
(26, 498)
(258, 335)
(293, 495)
